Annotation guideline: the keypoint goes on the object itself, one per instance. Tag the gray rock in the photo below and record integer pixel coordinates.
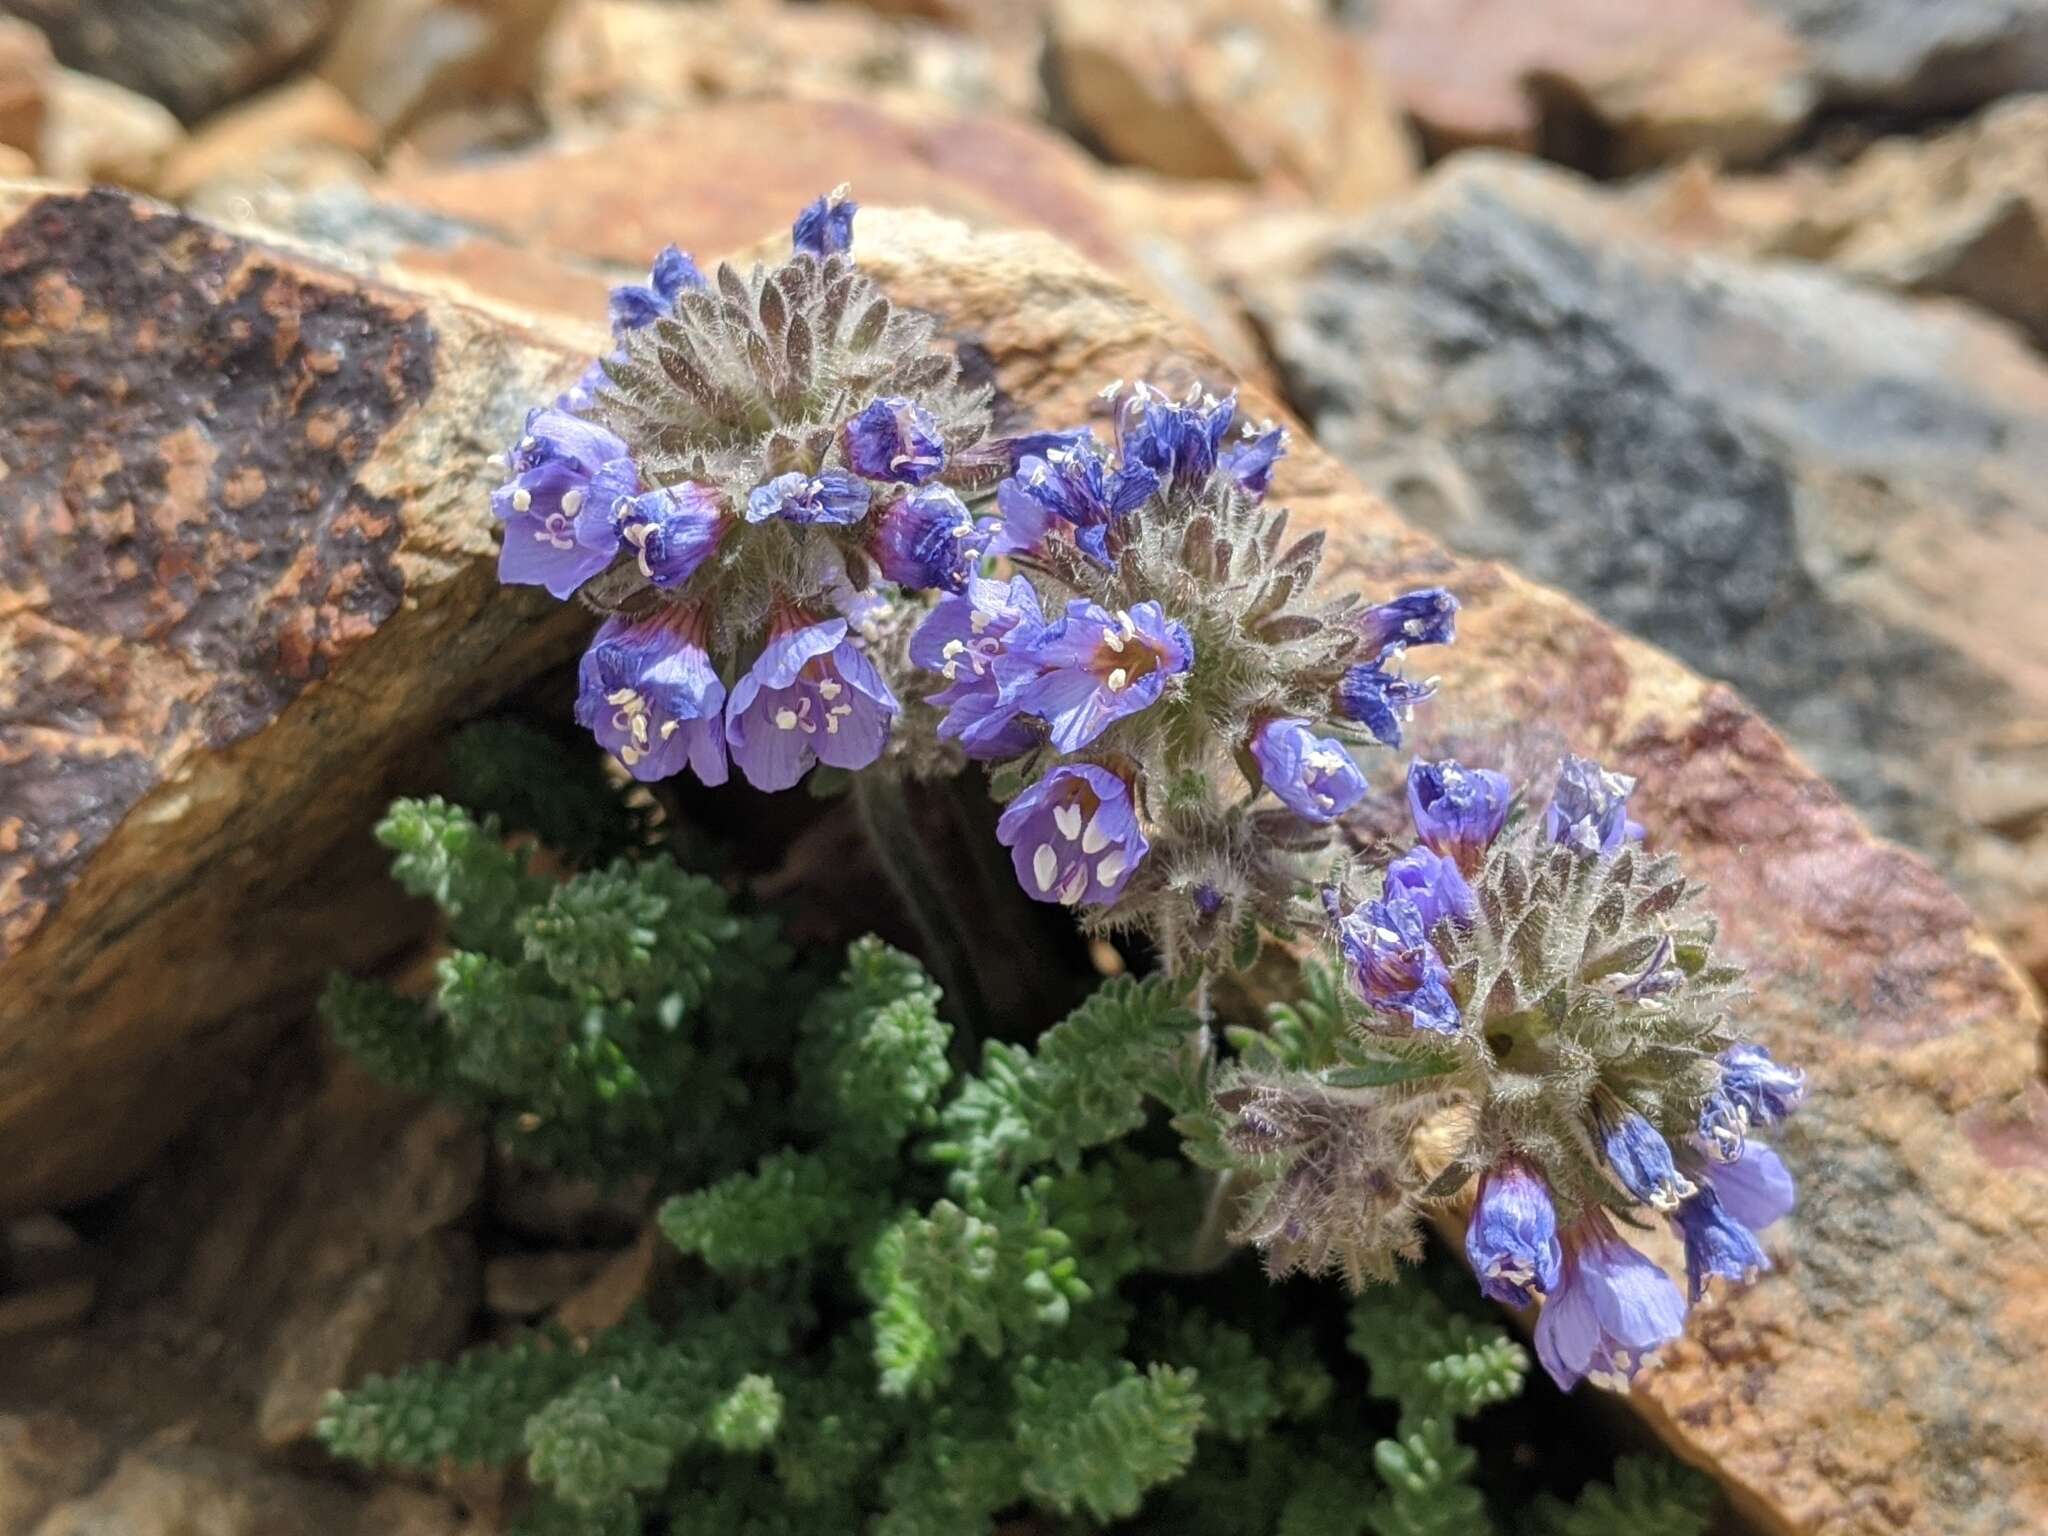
(1922, 55)
(1835, 499)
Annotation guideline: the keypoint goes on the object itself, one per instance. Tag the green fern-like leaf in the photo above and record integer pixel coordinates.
(1096, 1435)
(873, 1057)
(1428, 1476)
(1430, 1359)
(463, 866)
(397, 1039)
(791, 1205)
(472, 1412)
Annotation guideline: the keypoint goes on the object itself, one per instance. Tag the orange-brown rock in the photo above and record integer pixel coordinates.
(97, 131)
(1964, 213)
(270, 137)
(1882, 1378)
(25, 66)
(1232, 91)
(399, 60)
(244, 568)
(1611, 85)
(613, 62)
(617, 200)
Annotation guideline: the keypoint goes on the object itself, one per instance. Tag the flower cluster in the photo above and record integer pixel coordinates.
(1543, 994)
(1162, 644)
(729, 486)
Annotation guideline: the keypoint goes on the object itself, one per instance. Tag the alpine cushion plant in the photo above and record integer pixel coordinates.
(912, 1292)
(1536, 1000)
(808, 549)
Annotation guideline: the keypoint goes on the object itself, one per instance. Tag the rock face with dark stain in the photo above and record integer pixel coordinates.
(229, 515)
(1834, 498)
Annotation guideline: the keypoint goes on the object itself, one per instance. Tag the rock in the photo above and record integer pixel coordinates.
(1964, 213)
(277, 136)
(178, 1490)
(400, 60)
(614, 200)
(313, 1229)
(548, 1207)
(247, 572)
(194, 56)
(1232, 91)
(1607, 85)
(614, 1290)
(1832, 498)
(99, 132)
(25, 66)
(524, 1285)
(1905, 55)
(15, 165)
(46, 1457)
(613, 62)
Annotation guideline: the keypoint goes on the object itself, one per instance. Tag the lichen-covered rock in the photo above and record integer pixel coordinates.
(245, 571)
(1835, 499)
(194, 56)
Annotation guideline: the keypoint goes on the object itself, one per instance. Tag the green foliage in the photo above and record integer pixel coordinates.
(909, 1298)
(1648, 1494)
(534, 783)
(1096, 1434)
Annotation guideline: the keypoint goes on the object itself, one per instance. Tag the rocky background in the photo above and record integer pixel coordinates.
(1725, 317)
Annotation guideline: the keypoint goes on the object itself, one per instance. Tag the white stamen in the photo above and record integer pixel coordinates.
(1068, 819)
(829, 690)
(1107, 871)
(1123, 618)
(1096, 839)
(1076, 886)
(1113, 640)
(1045, 866)
(629, 755)
(1117, 679)
(977, 621)
(521, 499)
(670, 729)
(572, 502)
(832, 718)
(785, 719)
(498, 462)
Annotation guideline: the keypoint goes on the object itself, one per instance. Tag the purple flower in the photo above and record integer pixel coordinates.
(673, 530)
(1458, 811)
(1380, 700)
(1022, 445)
(962, 641)
(650, 695)
(1092, 668)
(1512, 1239)
(1716, 1244)
(1076, 485)
(1393, 966)
(1588, 810)
(1766, 1091)
(637, 304)
(928, 539)
(1755, 1186)
(567, 476)
(1426, 616)
(830, 496)
(811, 696)
(894, 439)
(1179, 441)
(1641, 1159)
(1250, 460)
(1612, 1310)
(825, 226)
(1313, 775)
(1434, 883)
(1658, 974)
(1073, 836)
